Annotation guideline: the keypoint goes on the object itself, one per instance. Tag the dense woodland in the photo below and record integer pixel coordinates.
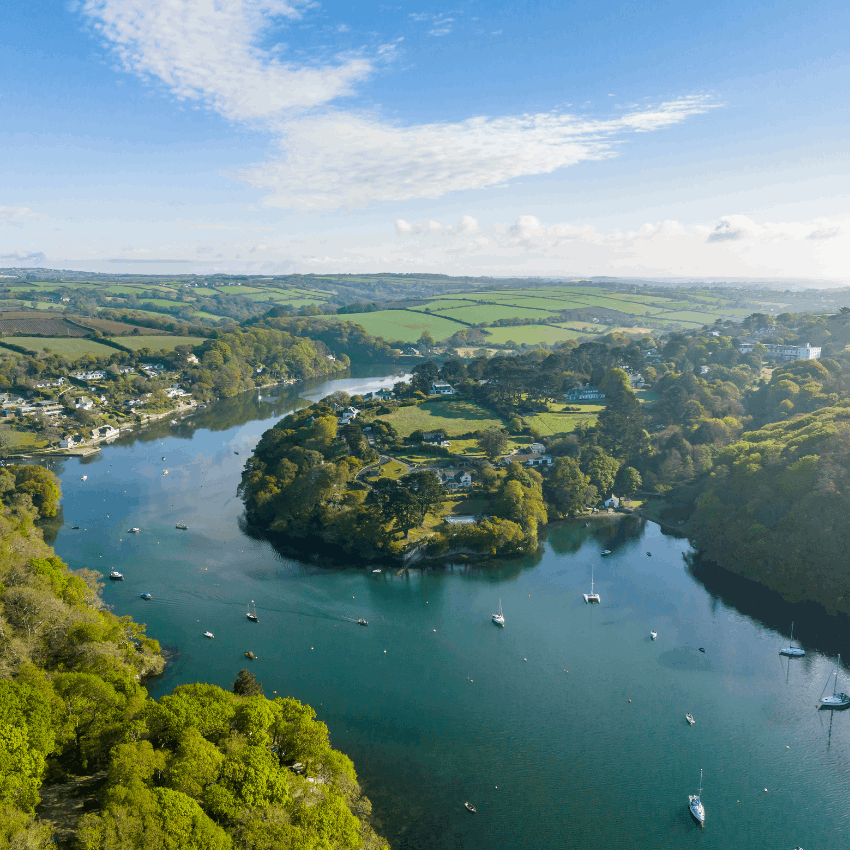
(202, 768)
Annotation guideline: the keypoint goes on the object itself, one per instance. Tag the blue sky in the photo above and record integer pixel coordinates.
(543, 138)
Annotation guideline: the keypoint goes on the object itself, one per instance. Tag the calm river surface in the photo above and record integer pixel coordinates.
(437, 706)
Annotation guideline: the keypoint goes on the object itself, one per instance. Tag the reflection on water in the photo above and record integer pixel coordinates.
(566, 728)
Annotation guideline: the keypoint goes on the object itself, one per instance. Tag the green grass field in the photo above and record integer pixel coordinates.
(478, 313)
(70, 347)
(454, 416)
(156, 343)
(691, 316)
(532, 334)
(403, 325)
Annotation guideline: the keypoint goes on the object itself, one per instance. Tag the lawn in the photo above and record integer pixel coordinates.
(69, 346)
(156, 343)
(454, 416)
(557, 422)
(19, 440)
(402, 325)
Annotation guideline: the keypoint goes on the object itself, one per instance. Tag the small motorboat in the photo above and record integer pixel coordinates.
(250, 655)
(75, 528)
(182, 526)
(114, 575)
(236, 453)
(163, 458)
(690, 718)
(702, 649)
(653, 634)
(84, 478)
(606, 551)
(209, 635)
(363, 622)
(470, 808)
(165, 472)
(133, 530)
(147, 596)
(375, 571)
(649, 554)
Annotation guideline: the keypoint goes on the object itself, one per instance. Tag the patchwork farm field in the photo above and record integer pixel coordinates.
(71, 347)
(452, 416)
(156, 343)
(402, 325)
(26, 324)
(533, 334)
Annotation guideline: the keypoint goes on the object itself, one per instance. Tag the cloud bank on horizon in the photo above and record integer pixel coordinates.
(352, 139)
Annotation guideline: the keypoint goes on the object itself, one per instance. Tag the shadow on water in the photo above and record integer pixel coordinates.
(814, 628)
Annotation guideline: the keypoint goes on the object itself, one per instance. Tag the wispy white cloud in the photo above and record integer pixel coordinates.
(330, 158)
(33, 258)
(208, 50)
(16, 215)
(342, 159)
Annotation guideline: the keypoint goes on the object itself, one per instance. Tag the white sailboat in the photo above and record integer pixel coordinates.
(253, 617)
(792, 651)
(838, 699)
(499, 619)
(695, 804)
(591, 597)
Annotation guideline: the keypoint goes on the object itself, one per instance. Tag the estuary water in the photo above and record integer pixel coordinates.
(565, 729)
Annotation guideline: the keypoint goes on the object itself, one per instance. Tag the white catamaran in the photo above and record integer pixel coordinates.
(792, 651)
(499, 619)
(695, 803)
(591, 597)
(838, 699)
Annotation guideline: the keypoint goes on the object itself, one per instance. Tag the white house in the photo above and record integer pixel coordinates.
(538, 448)
(105, 432)
(176, 392)
(454, 480)
(612, 502)
(442, 388)
(83, 403)
(537, 460)
(56, 382)
(125, 370)
(348, 415)
(786, 352)
(96, 375)
(587, 393)
(70, 441)
(192, 359)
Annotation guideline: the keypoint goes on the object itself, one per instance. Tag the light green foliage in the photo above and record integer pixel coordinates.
(601, 469)
(21, 767)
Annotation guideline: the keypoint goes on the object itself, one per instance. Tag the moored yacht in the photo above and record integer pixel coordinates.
(695, 804)
(792, 651)
(114, 575)
(592, 597)
(499, 619)
(838, 699)
(253, 617)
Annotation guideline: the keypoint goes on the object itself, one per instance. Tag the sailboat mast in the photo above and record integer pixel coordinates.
(700, 783)
(792, 632)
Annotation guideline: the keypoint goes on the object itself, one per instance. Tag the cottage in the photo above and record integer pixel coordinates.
(537, 448)
(192, 359)
(176, 392)
(105, 432)
(70, 441)
(56, 382)
(442, 388)
(95, 375)
(50, 408)
(83, 403)
(411, 351)
(612, 502)
(379, 395)
(348, 415)
(126, 370)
